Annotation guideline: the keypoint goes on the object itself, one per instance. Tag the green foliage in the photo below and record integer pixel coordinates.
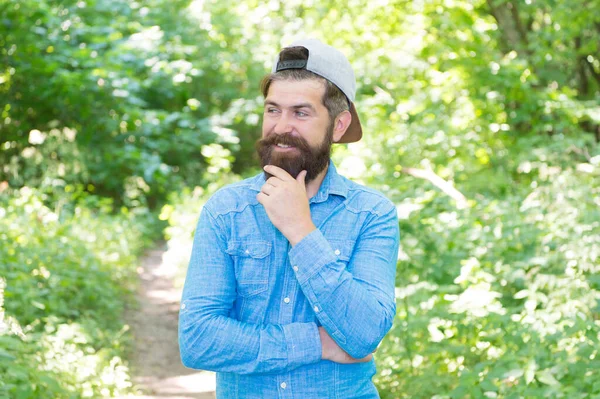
(498, 295)
(113, 107)
(508, 302)
(124, 83)
(64, 278)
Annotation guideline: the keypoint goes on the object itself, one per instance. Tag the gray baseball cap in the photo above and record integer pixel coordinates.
(332, 65)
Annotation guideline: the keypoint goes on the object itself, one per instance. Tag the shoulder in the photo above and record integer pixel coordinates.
(365, 199)
(234, 197)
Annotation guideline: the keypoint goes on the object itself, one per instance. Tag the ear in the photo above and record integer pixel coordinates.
(340, 125)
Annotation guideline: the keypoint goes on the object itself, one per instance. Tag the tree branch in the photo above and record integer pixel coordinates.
(583, 152)
(595, 74)
(518, 23)
(493, 11)
(445, 186)
(581, 61)
(513, 33)
(504, 42)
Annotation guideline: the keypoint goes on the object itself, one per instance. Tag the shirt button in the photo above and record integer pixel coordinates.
(337, 252)
(316, 308)
(283, 385)
(295, 268)
(286, 300)
(183, 306)
(247, 251)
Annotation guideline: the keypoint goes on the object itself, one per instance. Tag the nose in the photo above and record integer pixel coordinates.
(283, 124)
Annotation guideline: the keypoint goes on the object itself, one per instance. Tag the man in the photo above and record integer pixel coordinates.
(290, 286)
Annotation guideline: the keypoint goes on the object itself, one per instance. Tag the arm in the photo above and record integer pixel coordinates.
(354, 302)
(211, 340)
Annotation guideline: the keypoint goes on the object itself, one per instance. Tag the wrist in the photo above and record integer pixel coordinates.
(298, 234)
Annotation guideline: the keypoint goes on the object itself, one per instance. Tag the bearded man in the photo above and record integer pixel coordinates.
(290, 286)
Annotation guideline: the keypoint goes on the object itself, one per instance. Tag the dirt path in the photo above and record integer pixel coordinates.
(156, 367)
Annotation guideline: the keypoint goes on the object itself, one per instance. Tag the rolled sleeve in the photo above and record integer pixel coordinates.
(352, 298)
(210, 339)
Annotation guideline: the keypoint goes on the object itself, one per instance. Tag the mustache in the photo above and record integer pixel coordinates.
(285, 139)
(311, 159)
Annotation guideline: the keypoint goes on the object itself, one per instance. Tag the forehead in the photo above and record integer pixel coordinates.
(290, 92)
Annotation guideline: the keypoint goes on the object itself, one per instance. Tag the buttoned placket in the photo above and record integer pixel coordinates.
(284, 386)
(286, 316)
(288, 293)
(288, 299)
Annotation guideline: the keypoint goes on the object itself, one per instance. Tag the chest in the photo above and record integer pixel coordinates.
(266, 287)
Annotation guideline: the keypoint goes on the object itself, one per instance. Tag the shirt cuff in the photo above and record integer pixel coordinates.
(303, 343)
(310, 255)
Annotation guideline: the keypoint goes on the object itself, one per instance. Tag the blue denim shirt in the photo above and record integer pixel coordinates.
(252, 304)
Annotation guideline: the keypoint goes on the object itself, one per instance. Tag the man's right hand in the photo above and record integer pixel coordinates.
(331, 351)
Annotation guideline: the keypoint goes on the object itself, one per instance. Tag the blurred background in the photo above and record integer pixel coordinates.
(119, 118)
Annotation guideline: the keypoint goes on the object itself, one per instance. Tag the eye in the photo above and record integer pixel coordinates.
(301, 114)
(271, 110)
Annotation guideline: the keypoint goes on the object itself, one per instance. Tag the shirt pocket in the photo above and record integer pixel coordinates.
(252, 263)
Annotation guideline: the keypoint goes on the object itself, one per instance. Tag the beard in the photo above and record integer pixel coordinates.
(303, 157)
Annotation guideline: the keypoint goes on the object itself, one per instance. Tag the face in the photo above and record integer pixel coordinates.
(297, 133)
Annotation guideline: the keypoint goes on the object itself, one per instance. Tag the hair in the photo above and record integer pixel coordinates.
(333, 99)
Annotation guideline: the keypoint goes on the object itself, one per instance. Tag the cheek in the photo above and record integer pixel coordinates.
(316, 136)
(267, 127)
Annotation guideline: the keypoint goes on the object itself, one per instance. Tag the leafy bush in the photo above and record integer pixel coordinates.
(499, 299)
(135, 102)
(124, 82)
(65, 279)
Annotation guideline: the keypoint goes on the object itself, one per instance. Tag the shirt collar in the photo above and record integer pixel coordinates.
(333, 183)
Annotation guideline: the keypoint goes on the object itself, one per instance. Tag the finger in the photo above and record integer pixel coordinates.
(262, 198)
(301, 178)
(267, 189)
(278, 172)
(274, 181)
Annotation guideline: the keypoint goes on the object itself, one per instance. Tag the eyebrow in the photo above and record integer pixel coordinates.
(297, 106)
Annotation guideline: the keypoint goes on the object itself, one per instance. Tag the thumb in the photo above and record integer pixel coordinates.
(301, 178)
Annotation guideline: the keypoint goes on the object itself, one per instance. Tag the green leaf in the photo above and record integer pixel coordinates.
(5, 355)
(546, 377)
(530, 371)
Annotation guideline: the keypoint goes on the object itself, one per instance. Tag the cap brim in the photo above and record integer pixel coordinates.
(354, 132)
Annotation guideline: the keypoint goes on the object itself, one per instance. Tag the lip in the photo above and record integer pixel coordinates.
(291, 148)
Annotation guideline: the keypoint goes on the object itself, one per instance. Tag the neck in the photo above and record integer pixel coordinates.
(312, 187)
